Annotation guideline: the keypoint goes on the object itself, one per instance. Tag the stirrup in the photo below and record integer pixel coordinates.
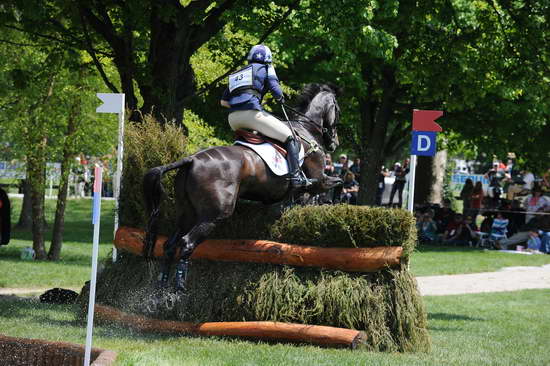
(299, 181)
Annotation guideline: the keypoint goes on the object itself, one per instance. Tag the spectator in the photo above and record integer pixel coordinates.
(546, 179)
(540, 224)
(427, 228)
(535, 202)
(341, 167)
(499, 228)
(515, 188)
(329, 168)
(516, 216)
(534, 242)
(443, 216)
(381, 185)
(356, 169)
(528, 179)
(5, 218)
(476, 200)
(544, 241)
(487, 222)
(328, 196)
(350, 189)
(456, 233)
(471, 231)
(400, 173)
(466, 196)
(494, 176)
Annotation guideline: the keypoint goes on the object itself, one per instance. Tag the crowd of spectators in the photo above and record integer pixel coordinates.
(512, 213)
(350, 172)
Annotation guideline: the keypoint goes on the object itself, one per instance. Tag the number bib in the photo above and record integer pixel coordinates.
(241, 78)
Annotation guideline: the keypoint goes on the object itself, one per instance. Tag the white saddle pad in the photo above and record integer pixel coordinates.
(274, 159)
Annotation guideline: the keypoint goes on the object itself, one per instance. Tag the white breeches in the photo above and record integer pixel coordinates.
(260, 121)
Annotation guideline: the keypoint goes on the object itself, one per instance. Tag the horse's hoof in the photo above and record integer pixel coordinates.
(170, 301)
(151, 306)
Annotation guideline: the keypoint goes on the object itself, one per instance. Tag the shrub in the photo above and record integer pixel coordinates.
(346, 226)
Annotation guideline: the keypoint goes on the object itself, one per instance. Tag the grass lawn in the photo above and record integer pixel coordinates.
(483, 329)
(439, 260)
(74, 268)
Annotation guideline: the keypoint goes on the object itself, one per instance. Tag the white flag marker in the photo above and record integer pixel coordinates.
(96, 214)
(114, 103)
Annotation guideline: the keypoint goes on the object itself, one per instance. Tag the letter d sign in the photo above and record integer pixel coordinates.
(423, 143)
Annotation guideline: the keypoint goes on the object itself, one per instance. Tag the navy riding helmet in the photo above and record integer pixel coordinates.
(261, 54)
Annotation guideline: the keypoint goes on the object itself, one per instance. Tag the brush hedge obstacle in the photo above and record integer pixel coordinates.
(385, 304)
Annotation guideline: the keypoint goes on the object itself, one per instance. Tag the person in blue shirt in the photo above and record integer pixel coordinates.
(243, 96)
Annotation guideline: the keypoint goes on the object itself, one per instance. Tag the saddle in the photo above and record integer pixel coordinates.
(254, 137)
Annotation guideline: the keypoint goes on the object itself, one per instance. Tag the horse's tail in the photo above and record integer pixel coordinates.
(152, 192)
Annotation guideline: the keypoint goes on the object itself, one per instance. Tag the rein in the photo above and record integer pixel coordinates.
(321, 129)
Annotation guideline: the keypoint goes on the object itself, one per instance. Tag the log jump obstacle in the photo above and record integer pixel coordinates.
(316, 334)
(258, 251)
(263, 251)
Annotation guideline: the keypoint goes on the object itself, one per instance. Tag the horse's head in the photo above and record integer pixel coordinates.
(330, 124)
(318, 103)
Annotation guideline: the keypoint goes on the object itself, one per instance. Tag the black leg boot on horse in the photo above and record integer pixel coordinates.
(296, 177)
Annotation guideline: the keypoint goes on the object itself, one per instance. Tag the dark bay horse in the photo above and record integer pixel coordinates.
(208, 183)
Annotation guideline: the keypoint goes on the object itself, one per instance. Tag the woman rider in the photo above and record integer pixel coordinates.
(244, 98)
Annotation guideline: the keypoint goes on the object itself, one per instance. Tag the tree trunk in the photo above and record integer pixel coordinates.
(374, 126)
(438, 174)
(171, 72)
(430, 173)
(68, 156)
(424, 178)
(36, 173)
(25, 217)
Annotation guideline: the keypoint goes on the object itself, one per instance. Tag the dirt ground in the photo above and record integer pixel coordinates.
(507, 279)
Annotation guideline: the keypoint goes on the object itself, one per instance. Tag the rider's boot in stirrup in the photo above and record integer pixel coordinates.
(297, 179)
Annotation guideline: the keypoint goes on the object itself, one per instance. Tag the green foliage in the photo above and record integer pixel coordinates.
(346, 226)
(201, 135)
(148, 144)
(386, 305)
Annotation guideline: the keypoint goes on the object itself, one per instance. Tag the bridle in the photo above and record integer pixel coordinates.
(327, 133)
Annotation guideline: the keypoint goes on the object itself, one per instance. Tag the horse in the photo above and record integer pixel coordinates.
(209, 183)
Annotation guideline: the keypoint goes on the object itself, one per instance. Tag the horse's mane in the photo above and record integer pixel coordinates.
(309, 91)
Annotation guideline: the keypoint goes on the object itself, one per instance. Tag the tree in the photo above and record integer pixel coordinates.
(39, 91)
(150, 43)
(398, 55)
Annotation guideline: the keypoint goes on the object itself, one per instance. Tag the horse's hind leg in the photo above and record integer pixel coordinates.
(188, 243)
(170, 247)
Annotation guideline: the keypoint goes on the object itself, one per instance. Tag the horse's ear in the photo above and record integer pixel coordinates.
(337, 90)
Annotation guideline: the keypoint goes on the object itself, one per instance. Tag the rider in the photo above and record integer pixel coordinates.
(244, 97)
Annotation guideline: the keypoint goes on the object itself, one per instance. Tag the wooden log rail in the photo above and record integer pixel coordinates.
(315, 334)
(264, 251)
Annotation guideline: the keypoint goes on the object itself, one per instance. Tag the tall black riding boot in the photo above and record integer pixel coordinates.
(297, 179)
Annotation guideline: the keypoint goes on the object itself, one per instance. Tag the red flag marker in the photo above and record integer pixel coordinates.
(425, 120)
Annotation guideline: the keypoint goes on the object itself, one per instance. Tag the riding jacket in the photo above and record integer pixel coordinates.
(248, 86)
